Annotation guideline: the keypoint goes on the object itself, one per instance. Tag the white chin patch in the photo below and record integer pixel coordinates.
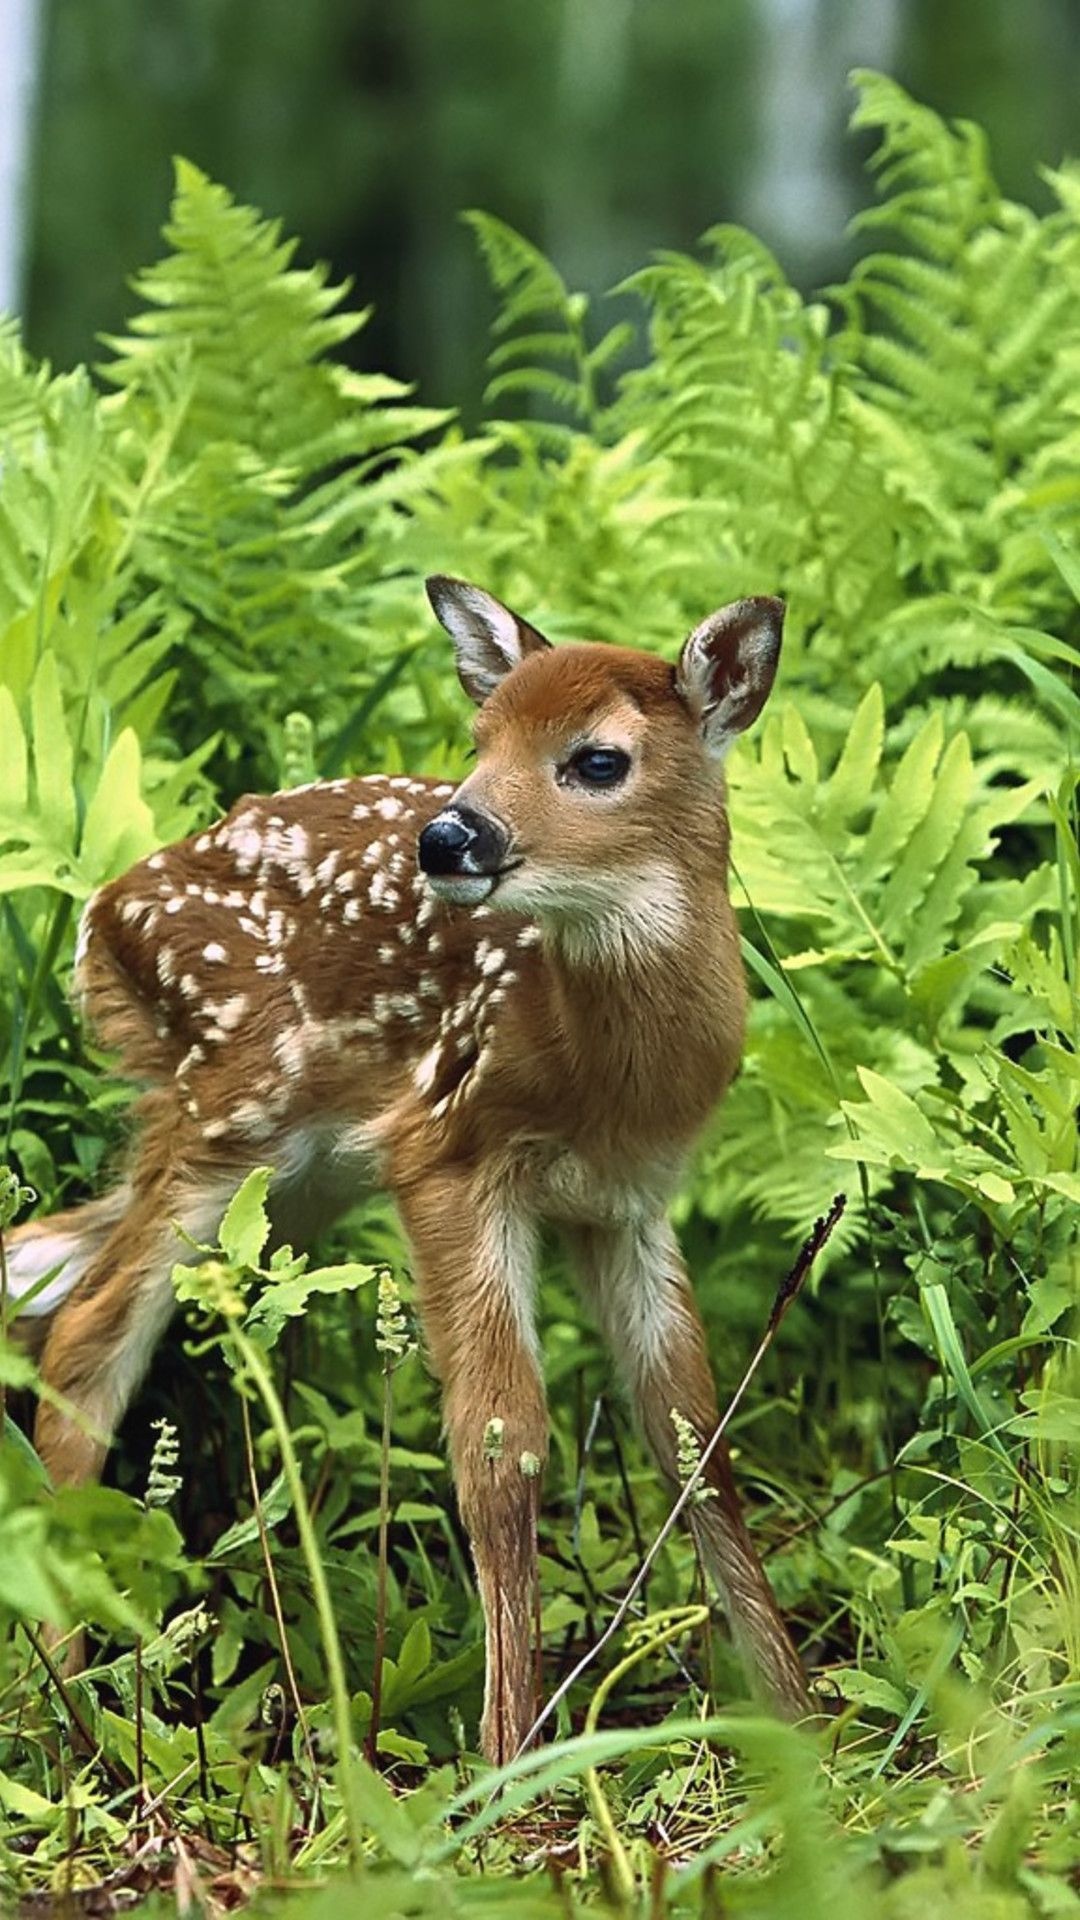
(461, 889)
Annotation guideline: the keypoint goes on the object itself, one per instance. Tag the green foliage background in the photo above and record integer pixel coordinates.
(225, 528)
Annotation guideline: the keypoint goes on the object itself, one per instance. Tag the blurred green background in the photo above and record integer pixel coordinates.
(601, 128)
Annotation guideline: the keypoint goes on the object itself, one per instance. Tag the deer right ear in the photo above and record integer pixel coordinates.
(727, 668)
(489, 640)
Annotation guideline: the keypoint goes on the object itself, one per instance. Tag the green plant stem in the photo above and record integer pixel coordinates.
(255, 1368)
(275, 1602)
(685, 1621)
(140, 1756)
(381, 1576)
(3, 1331)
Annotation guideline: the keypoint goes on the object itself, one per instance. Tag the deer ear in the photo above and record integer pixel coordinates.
(727, 667)
(489, 640)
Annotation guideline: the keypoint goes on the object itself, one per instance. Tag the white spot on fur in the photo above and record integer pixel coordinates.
(251, 1119)
(401, 1006)
(295, 847)
(247, 845)
(427, 1069)
(291, 1050)
(227, 1013)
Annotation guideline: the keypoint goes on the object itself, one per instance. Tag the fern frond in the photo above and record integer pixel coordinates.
(535, 297)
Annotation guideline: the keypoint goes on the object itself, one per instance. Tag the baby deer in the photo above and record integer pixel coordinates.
(511, 1002)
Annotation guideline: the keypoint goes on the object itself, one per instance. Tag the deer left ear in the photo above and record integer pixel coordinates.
(727, 667)
(489, 639)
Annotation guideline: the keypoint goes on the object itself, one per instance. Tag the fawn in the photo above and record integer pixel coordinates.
(510, 1002)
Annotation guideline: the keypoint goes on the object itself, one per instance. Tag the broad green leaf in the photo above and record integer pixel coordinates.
(53, 760)
(907, 799)
(869, 1689)
(276, 1502)
(119, 826)
(932, 838)
(22, 1803)
(283, 1300)
(246, 1225)
(890, 1128)
(13, 762)
(851, 783)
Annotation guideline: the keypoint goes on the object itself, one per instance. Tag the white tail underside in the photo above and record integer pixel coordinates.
(59, 1254)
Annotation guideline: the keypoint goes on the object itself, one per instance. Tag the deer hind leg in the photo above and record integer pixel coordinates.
(47, 1258)
(475, 1262)
(101, 1338)
(639, 1286)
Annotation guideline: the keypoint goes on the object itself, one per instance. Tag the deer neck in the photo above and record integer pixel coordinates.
(649, 1003)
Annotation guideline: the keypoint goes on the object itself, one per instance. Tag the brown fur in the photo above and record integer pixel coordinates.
(293, 994)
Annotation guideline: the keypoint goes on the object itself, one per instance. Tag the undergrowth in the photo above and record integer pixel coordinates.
(210, 556)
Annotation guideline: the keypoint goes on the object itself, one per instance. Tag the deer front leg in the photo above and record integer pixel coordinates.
(475, 1265)
(636, 1278)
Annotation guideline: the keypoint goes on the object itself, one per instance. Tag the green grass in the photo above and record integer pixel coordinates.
(202, 591)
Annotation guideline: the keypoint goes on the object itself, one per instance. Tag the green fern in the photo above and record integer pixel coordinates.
(550, 363)
(269, 517)
(233, 536)
(980, 333)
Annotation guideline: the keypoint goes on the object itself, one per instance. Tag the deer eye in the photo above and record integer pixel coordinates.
(599, 766)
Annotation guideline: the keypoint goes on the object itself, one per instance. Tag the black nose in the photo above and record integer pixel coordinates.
(461, 841)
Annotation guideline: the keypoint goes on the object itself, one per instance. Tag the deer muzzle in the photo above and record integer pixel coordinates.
(463, 853)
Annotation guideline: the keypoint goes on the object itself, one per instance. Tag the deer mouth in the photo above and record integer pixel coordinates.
(469, 889)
